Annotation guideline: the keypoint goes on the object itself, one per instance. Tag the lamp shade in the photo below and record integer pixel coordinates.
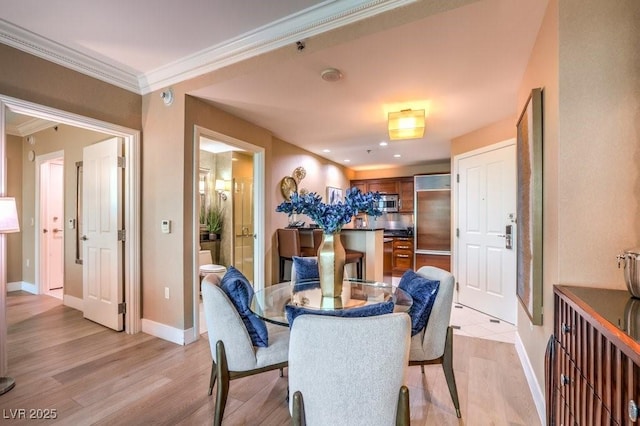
(406, 124)
(220, 185)
(8, 215)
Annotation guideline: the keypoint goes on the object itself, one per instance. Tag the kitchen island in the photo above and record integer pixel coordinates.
(367, 240)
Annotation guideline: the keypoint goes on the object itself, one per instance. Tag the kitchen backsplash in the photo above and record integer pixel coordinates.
(391, 221)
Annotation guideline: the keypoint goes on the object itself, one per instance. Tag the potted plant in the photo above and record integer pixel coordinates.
(215, 220)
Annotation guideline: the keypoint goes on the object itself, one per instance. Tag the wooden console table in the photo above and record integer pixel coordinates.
(593, 358)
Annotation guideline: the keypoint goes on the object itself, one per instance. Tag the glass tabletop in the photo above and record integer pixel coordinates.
(269, 303)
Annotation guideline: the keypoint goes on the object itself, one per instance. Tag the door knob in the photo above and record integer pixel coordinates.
(44, 231)
(84, 238)
(56, 230)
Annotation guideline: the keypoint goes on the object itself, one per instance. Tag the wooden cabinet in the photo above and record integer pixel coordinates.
(442, 261)
(592, 360)
(402, 186)
(402, 255)
(405, 190)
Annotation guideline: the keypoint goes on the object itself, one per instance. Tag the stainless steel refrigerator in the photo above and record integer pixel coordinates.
(432, 217)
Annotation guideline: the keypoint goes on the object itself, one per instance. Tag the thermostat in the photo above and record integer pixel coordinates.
(165, 226)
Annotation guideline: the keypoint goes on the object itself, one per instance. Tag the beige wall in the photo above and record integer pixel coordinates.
(497, 132)
(542, 71)
(435, 167)
(14, 189)
(70, 140)
(587, 60)
(33, 79)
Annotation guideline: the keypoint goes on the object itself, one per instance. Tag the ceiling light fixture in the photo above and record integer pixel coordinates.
(406, 124)
(331, 75)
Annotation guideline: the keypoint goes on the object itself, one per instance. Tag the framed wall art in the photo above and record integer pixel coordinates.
(529, 219)
(333, 195)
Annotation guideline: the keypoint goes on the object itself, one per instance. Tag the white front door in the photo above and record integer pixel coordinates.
(102, 276)
(52, 220)
(486, 255)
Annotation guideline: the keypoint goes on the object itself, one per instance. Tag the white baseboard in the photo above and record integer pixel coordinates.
(534, 386)
(73, 302)
(22, 285)
(166, 332)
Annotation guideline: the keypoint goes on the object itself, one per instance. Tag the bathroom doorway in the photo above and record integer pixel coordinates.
(229, 176)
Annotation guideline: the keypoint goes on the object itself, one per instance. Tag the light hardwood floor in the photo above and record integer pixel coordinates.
(92, 375)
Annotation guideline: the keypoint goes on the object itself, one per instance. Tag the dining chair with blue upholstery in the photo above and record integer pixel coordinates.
(432, 337)
(349, 371)
(241, 344)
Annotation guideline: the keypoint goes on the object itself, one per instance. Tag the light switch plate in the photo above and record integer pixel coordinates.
(165, 226)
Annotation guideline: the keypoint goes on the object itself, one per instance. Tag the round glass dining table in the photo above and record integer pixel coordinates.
(269, 303)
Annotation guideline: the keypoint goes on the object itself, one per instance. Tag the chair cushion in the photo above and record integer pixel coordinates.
(239, 290)
(293, 311)
(423, 291)
(306, 268)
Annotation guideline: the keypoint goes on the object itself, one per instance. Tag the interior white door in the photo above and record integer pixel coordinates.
(486, 258)
(102, 273)
(52, 214)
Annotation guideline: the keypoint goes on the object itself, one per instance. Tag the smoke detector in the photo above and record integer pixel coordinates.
(331, 75)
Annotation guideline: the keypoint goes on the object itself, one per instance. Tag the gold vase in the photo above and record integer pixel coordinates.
(331, 260)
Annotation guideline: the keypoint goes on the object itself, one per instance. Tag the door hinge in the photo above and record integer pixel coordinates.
(457, 286)
(122, 235)
(458, 232)
(122, 308)
(458, 177)
(121, 162)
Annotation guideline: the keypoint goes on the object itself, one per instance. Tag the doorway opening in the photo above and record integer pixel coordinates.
(131, 185)
(229, 174)
(50, 213)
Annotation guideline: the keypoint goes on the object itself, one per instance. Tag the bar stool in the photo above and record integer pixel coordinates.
(289, 246)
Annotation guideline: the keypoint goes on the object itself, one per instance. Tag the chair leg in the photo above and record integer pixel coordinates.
(281, 373)
(212, 380)
(298, 410)
(359, 268)
(223, 384)
(422, 368)
(447, 366)
(281, 270)
(403, 416)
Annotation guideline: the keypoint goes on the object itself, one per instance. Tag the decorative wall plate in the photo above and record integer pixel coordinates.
(299, 173)
(288, 186)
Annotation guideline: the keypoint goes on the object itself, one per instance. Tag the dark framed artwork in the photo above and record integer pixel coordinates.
(529, 219)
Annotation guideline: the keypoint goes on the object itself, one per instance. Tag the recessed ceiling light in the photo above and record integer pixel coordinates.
(383, 143)
(397, 155)
(347, 161)
(326, 150)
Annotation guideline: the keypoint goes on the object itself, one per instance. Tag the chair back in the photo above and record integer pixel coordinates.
(349, 370)
(435, 332)
(288, 242)
(225, 324)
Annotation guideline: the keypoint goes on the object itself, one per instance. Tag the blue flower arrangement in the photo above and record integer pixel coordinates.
(332, 217)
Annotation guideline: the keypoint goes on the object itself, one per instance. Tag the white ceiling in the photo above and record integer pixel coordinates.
(463, 65)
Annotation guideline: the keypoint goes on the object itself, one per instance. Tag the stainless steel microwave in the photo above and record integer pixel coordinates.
(389, 203)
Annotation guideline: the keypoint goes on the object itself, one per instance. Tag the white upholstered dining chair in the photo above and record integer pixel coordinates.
(349, 371)
(233, 352)
(434, 343)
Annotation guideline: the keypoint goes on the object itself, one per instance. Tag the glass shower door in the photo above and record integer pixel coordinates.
(243, 226)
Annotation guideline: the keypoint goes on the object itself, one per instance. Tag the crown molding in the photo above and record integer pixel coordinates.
(324, 17)
(313, 21)
(29, 127)
(52, 51)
